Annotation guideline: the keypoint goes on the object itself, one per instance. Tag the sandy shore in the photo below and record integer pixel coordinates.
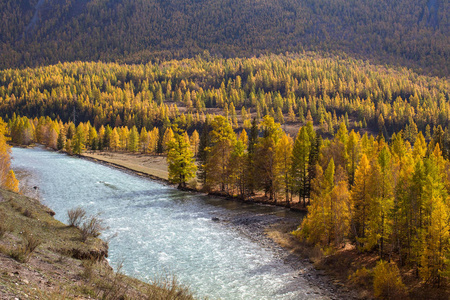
(153, 166)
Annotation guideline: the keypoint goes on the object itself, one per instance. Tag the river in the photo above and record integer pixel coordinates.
(157, 230)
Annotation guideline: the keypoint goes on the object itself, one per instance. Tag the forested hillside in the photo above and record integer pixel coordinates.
(412, 33)
(291, 89)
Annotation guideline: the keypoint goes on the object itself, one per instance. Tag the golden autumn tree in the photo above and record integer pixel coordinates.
(360, 197)
(217, 165)
(436, 236)
(194, 141)
(7, 177)
(238, 166)
(284, 154)
(266, 159)
(300, 164)
(381, 202)
(180, 160)
(328, 223)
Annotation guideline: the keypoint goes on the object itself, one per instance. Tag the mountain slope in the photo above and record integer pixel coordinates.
(413, 33)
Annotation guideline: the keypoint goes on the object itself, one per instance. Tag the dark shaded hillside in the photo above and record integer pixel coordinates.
(413, 33)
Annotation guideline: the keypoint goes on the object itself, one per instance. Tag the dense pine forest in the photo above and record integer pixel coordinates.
(411, 33)
(292, 89)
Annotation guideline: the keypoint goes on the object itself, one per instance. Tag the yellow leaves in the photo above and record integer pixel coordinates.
(7, 176)
(194, 142)
(168, 136)
(11, 183)
(433, 258)
(387, 282)
(329, 214)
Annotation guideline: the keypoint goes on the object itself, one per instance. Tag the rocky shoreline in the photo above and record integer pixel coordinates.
(256, 226)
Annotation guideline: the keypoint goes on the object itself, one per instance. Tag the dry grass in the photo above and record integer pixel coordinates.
(3, 229)
(169, 289)
(23, 252)
(76, 216)
(91, 227)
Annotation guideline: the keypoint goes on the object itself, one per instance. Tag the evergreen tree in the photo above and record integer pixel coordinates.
(61, 140)
(133, 140)
(180, 160)
(250, 174)
(360, 197)
(284, 153)
(202, 154)
(266, 159)
(194, 141)
(300, 164)
(223, 140)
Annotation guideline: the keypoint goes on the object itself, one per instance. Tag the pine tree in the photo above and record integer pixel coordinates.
(327, 222)
(381, 202)
(144, 140)
(339, 213)
(434, 255)
(353, 153)
(300, 164)
(266, 158)
(123, 137)
(61, 139)
(237, 166)
(180, 160)
(133, 140)
(93, 138)
(284, 153)
(360, 197)
(194, 141)
(7, 177)
(78, 145)
(202, 154)
(250, 173)
(223, 139)
(114, 140)
(168, 136)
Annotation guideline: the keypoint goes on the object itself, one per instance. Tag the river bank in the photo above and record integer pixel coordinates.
(156, 168)
(42, 258)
